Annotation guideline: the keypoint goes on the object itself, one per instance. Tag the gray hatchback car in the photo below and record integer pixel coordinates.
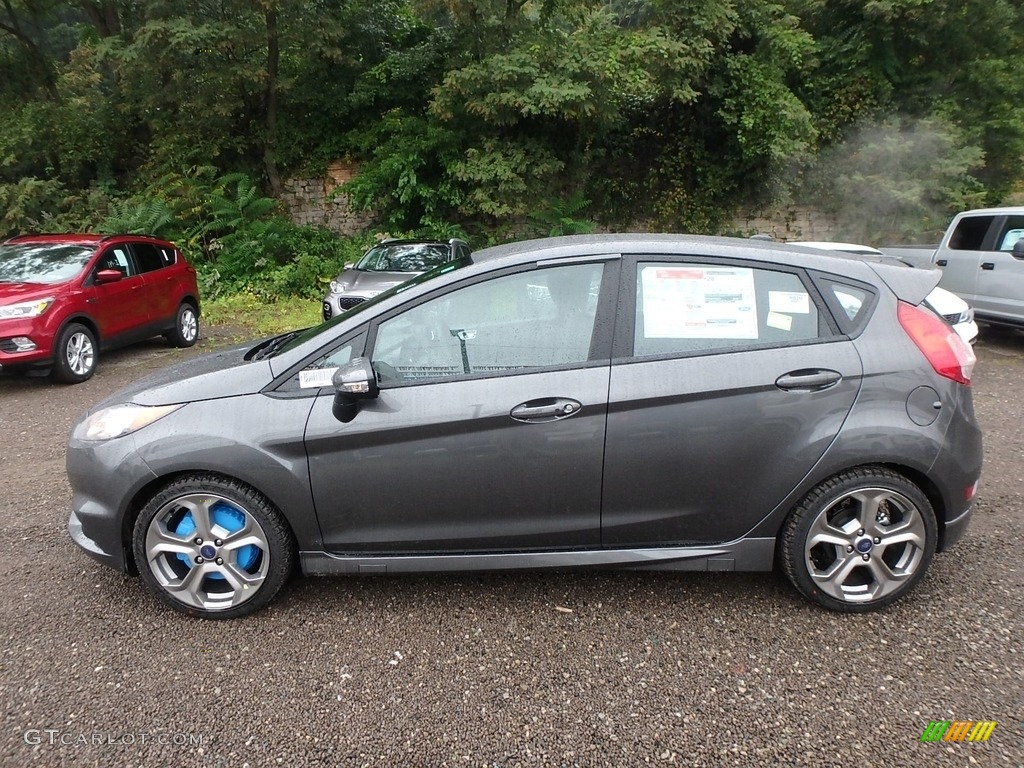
(632, 401)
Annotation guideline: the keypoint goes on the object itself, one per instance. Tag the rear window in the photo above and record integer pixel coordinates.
(969, 234)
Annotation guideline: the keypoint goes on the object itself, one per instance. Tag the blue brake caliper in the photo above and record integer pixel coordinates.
(231, 520)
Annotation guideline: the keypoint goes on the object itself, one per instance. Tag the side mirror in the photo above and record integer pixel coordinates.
(353, 382)
(1018, 249)
(105, 276)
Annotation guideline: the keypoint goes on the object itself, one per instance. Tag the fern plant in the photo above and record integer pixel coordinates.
(133, 217)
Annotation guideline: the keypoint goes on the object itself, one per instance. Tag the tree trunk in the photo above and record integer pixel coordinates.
(273, 60)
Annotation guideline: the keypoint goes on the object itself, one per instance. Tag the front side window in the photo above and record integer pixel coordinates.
(1011, 231)
(683, 308)
(527, 320)
(117, 258)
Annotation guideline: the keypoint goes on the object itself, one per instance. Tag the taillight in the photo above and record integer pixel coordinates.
(948, 354)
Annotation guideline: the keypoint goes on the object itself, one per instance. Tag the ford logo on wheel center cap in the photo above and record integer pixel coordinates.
(864, 546)
(208, 551)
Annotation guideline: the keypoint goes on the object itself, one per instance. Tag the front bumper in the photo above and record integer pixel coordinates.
(105, 477)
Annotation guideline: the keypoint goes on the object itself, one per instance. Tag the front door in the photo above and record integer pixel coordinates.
(488, 433)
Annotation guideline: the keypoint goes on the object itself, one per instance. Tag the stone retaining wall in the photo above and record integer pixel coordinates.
(310, 202)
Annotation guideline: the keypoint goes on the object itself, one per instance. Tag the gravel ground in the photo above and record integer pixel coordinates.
(588, 669)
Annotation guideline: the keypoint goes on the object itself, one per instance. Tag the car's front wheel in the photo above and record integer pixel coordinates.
(860, 540)
(213, 547)
(75, 354)
(186, 327)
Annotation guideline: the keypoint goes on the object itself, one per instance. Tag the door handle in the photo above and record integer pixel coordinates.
(988, 266)
(545, 409)
(808, 380)
(942, 262)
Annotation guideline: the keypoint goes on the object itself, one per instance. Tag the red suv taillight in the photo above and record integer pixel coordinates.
(948, 354)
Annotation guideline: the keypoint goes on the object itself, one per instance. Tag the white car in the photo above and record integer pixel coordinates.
(949, 305)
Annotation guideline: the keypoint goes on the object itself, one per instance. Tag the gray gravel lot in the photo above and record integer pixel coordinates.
(589, 669)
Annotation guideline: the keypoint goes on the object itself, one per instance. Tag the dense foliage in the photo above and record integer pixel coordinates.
(497, 118)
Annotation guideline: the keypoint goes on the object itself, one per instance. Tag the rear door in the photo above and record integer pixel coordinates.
(488, 433)
(729, 382)
(160, 283)
(961, 253)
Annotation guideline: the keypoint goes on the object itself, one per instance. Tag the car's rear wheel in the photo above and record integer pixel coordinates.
(75, 354)
(860, 540)
(213, 547)
(186, 327)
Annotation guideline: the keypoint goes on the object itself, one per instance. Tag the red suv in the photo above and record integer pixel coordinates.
(65, 297)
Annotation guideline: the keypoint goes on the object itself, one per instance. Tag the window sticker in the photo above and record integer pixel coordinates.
(699, 303)
(789, 302)
(316, 377)
(780, 321)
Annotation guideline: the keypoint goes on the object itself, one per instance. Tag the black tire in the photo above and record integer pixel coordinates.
(75, 355)
(186, 327)
(859, 541)
(216, 578)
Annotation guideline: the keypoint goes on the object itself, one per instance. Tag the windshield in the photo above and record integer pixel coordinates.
(404, 257)
(42, 262)
(303, 336)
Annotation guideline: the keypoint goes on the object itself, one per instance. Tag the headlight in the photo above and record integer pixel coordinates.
(26, 309)
(121, 420)
(337, 287)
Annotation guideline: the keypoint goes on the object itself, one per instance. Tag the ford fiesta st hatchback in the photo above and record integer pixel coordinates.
(644, 401)
(63, 298)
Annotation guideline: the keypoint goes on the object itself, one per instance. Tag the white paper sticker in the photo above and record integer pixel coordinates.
(684, 302)
(780, 321)
(316, 377)
(789, 302)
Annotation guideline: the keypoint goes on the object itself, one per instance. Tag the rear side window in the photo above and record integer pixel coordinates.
(151, 257)
(696, 307)
(969, 234)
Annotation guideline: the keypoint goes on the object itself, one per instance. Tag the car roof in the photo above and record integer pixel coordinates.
(1006, 210)
(81, 238)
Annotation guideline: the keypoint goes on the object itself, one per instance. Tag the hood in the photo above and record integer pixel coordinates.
(12, 293)
(224, 373)
(370, 283)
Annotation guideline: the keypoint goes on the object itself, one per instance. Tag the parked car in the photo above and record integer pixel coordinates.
(633, 401)
(63, 298)
(982, 260)
(385, 265)
(954, 309)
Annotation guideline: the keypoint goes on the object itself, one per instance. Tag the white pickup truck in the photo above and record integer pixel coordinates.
(982, 261)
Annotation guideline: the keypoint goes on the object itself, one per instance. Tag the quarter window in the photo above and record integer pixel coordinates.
(535, 319)
(700, 307)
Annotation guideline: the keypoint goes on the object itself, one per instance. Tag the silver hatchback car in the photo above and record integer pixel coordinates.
(385, 265)
(632, 401)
